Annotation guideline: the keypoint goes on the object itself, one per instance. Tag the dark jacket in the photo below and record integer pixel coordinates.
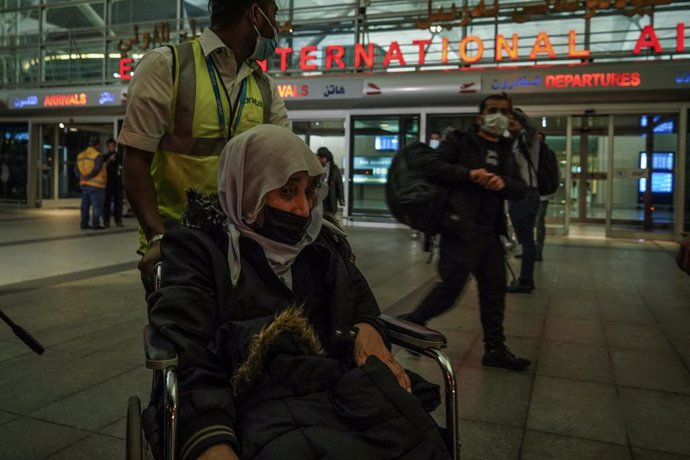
(336, 193)
(114, 169)
(471, 207)
(212, 325)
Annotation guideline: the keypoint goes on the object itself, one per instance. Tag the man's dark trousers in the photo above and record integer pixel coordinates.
(479, 253)
(523, 215)
(113, 197)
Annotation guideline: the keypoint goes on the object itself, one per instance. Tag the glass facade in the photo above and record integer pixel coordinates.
(74, 42)
(14, 142)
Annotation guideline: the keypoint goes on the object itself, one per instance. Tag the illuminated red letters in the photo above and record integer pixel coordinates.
(590, 80)
(466, 58)
(283, 53)
(572, 42)
(305, 56)
(422, 44)
(393, 53)
(470, 50)
(648, 39)
(335, 53)
(542, 44)
(502, 45)
(126, 68)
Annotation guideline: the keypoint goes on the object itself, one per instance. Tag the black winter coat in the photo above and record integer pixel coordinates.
(293, 401)
(471, 207)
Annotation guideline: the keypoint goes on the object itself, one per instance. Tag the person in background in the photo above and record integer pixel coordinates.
(540, 223)
(173, 133)
(434, 139)
(480, 171)
(523, 213)
(113, 186)
(334, 180)
(92, 178)
(683, 256)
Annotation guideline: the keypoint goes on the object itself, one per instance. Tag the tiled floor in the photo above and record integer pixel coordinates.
(608, 330)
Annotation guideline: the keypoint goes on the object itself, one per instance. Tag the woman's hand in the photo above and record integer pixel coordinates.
(219, 452)
(369, 342)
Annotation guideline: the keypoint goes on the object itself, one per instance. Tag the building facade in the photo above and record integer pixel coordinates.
(607, 82)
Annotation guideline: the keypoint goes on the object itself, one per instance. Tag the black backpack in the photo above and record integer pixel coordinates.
(548, 172)
(411, 197)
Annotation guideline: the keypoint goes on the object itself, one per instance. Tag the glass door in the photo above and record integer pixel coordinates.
(375, 140)
(60, 145)
(589, 168)
(328, 133)
(14, 160)
(554, 130)
(644, 157)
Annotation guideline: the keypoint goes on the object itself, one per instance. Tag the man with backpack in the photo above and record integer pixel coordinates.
(479, 172)
(548, 164)
(523, 213)
(92, 177)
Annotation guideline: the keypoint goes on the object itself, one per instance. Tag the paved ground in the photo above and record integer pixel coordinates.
(608, 330)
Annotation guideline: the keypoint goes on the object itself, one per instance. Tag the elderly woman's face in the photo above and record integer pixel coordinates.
(297, 196)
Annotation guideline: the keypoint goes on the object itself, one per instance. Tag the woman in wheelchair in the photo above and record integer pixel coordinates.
(281, 352)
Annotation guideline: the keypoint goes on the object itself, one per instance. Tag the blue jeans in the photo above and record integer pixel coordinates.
(523, 214)
(91, 197)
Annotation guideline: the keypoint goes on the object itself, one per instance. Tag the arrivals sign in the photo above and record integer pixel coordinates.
(60, 99)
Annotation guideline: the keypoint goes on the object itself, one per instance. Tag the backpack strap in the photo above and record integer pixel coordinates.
(523, 148)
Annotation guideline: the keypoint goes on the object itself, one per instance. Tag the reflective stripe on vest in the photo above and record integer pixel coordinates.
(187, 155)
(86, 161)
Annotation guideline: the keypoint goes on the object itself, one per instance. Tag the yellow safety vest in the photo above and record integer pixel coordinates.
(187, 155)
(86, 162)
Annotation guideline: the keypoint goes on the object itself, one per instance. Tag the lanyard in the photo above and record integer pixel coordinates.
(239, 102)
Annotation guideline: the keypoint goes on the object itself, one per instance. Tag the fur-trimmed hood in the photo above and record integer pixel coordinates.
(289, 332)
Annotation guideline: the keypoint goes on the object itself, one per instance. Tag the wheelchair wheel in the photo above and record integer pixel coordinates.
(134, 441)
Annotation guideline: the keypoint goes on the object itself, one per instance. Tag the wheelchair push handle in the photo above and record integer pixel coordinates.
(23, 335)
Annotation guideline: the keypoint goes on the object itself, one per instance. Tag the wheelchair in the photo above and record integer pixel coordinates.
(161, 358)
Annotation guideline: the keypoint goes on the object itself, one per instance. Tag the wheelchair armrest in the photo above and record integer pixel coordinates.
(411, 335)
(160, 352)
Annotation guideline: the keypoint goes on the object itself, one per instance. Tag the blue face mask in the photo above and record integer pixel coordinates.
(265, 47)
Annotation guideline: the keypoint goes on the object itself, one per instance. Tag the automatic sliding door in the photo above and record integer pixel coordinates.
(375, 140)
(644, 160)
(589, 168)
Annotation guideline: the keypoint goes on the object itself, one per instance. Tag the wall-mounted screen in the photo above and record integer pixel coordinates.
(388, 142)
(660, 161)
(665, 127)
(662, 182)
(370, 170)
(662, 172)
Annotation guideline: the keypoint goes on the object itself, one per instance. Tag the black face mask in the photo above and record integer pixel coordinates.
(284, 227)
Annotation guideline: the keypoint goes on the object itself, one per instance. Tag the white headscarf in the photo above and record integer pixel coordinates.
(251, 165)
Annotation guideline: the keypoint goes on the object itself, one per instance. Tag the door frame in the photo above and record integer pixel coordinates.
(569, 111)
(36, 127)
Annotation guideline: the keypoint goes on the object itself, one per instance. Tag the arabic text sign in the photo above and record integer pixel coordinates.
(45, 99)
(463, 15)
(320, 90)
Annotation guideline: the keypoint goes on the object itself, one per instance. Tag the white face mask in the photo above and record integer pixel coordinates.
(265, 47)
(434, 143)
(495, 123)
